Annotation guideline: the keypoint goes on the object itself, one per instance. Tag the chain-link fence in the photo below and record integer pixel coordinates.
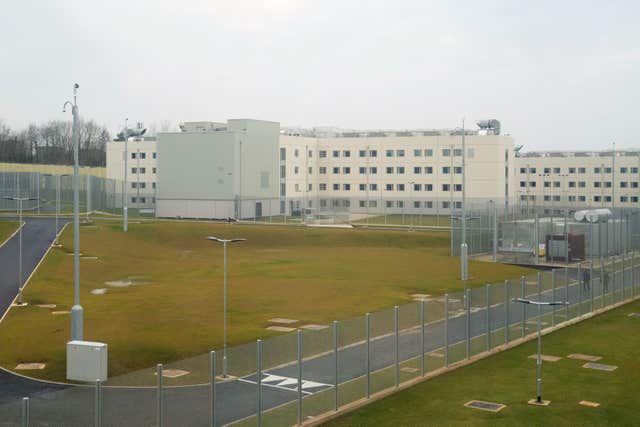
(291, 378)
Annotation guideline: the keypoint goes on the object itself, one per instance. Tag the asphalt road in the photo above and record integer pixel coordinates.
(236, 399)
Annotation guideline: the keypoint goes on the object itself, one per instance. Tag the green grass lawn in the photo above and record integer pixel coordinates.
(509, 378)
(408, 220)
(6, 229)
(175, 309)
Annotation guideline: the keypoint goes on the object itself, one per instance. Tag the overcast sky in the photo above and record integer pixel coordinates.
(557, 74)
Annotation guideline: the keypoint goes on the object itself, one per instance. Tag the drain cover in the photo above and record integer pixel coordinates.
(485, 406)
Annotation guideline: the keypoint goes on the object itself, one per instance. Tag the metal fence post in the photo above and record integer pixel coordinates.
(212, 367)
(299, 338)
(25, 412)
(633, 274)
(446, 330)
(97, 405)
(591, 308)
(553, 296)
(580, 285)
(467, 327)
(422, 370)
(488, 288)
(397, 333)
(524, 306)
(506, 311)
(367, 318)
(613, 279)
(335, 359)
(259, 381)
(602, 281)
(159, 408)
(566, 293)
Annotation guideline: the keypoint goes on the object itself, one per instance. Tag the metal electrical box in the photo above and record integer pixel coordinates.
(86, 361)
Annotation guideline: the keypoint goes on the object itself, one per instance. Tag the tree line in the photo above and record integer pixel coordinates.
(51, 143)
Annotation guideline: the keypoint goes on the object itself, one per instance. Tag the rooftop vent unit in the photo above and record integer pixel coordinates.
(488, 127)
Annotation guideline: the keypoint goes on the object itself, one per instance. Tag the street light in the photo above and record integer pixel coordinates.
(76, 310)
(224, 327)
(19, 201)
(539, 357)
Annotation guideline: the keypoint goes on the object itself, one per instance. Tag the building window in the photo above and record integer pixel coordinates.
(445, 187)
(572, 184)
(389, 169)
(143, 170)
(457, 169)
(634, 199)
(417, 153)
(556, 170)
(623, 184)
(134, 170)
(445, 205)
(400, 153)
(373, 203)
(624, 170)
(624, 199)
(153, 170)
(445, 169)
(428, 169)
(523, 184)
(153, 185)
(532, 170)
(607, 170)
(582, 170)
(155, 155)
(572, 170)
(283, 154)
(582, 184)
(417, 187)
(373, 153)
(310, 170)
(400, 169)
(428, 204)
(296, 152)
(532, 184)
(336, 153)
(400, 187)
(597, 198)
(346, 170)
(388, 187)
(283, 191)
(556, 184)
(572, 198)
(336, 170)
(634, 170)
(134, 200)
(336, 187)
(416, 205)
(607, 184)
(523, 170)
(389, 204)
(322, 154)
(297, 187)
(362, 203)
(457, 187)
(547, 170)
(417, 170)
(310, 153)
(607, 199)
(582, 198)
(363, 153)
(133, 155)
(322, 170)
(346, 187)
(322, 187)
(295, 170)
(389, 153)
(596, 170)
(446, 152)
(428, 187)
(597, 184)
(362, 187)
(134, 185)
(428, 152)
(373, 187)
(457, 152)
(400, 204)
(634, 184)
(362, 170)
(373, 170)
(346, 153)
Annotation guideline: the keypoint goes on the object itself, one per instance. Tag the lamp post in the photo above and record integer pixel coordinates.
(19, 201)
(224, 327)
(539, 304)
(76, 310)
(125, 222)
(464, 273)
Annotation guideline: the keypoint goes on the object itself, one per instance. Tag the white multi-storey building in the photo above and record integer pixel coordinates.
(141, 171)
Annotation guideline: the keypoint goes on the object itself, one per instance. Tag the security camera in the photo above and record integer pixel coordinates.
(76, 86)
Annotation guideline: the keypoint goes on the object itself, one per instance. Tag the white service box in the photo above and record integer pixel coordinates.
(86, 361)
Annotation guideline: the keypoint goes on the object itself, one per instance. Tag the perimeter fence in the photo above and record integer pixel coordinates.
(300, 376)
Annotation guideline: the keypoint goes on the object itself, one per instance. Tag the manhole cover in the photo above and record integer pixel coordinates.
(600, 366)
(586, 357)
(485, 406)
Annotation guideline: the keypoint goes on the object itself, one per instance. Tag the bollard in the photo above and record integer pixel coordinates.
(25, 412)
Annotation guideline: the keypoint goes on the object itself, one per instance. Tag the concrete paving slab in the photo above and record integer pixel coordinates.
(283, 320)
(586, 357)
(313, 327)
(99, 291)
(536, 403)
(30, 366)
(280, 329)
(409, 370)
(589, 403)
(485, 406)
(600, 366)
(46, 305)
(173, 373)
(57, 313)
(546, 357)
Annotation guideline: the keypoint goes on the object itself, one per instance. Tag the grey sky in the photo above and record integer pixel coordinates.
(558, 74)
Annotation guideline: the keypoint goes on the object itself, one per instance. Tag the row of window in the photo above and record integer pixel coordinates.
(395, 204)
(580, 184)
(574, 198)
(387, 187)
(141, 171)
(572, 170)
(373, 170)
(143, 155)
(418, 152)
(142, 185)
(142, 200)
